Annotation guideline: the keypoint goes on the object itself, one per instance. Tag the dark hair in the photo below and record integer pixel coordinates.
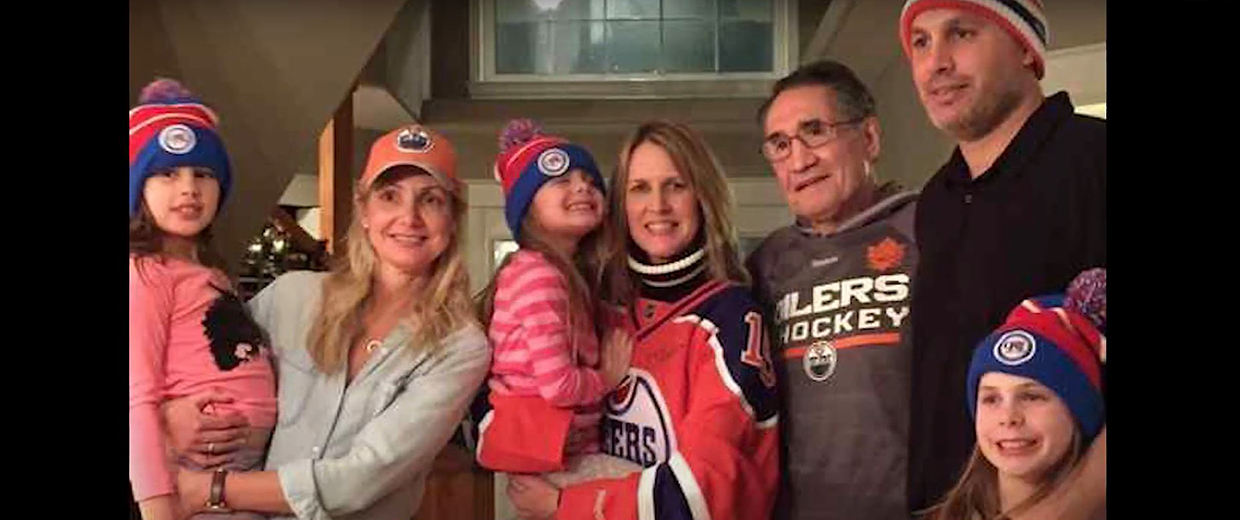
(146, 240)
(853, 99)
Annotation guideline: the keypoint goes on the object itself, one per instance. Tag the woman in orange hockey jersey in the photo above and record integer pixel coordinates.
(697, 408)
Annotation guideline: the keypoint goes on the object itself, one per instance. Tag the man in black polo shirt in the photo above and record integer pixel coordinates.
(1017, 211)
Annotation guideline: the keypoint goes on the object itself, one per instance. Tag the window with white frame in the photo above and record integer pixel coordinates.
(625, 40)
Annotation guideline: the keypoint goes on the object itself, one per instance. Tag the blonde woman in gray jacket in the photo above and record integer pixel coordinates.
(377, 360)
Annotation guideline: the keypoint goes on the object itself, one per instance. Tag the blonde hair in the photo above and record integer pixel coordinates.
(701, 170)
(976, 494)
(442, 307)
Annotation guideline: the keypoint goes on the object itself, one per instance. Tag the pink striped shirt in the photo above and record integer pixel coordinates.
(533, 355)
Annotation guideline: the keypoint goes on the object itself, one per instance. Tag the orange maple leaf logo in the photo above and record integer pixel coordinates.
(885, 255)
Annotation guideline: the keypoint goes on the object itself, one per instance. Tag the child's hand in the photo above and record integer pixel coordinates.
(193, 488)
(617, 354)
(205, 439)
(533, 497)
(163, 507)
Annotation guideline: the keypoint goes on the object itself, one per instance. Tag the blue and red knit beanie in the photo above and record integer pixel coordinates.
(527, 159)
(1056, 341)
(169, 128)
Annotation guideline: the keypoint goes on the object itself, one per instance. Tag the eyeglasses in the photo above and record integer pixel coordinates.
(812, 134)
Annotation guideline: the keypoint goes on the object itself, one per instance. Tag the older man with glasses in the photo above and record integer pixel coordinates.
(836, 288)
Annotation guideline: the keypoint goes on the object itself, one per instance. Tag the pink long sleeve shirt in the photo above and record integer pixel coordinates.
(175, 312)
(533, 353)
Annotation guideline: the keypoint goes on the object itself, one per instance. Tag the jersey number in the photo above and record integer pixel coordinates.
(758, 350)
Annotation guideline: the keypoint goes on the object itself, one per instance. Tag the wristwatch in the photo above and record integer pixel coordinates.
(215, 502)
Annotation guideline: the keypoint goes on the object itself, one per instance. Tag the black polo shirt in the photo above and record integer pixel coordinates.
(1025, 227)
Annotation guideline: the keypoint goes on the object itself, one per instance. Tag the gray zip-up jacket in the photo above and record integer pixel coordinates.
(361, 451)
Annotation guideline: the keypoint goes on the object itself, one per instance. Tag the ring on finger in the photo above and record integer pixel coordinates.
(210, 448)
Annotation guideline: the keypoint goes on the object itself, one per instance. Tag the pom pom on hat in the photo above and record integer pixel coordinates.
(1050, 340)
(171, 128)
(1087, 294)
(518, 132)
(527, 159)
(165, 91)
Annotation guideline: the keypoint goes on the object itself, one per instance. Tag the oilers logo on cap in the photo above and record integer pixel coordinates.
(553, 162)
(819, 361)
(414, 140)
(177, 139)
(1015, 347)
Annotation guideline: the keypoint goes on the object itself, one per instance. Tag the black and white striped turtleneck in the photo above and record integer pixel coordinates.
(669, 281)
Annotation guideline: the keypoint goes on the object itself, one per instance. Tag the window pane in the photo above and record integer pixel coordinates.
(633, 9)
(546, 37)
(535, 10)
(520, 48)
(632, 46)
(517, 11)
(689, 46)
(697, 9)
(757, 10)
(580, 47)
(745, 46)
(577, 9)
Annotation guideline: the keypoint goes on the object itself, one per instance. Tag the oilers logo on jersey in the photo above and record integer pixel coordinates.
(636, 425)
(819, 361)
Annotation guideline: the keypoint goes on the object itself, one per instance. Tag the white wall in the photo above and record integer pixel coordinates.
(1081, 71)
(912, 148)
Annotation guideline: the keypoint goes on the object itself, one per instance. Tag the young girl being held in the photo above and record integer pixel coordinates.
(189, 332)
(548, 376)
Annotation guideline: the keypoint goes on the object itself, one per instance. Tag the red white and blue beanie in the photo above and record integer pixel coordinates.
(527, 159)
(1025, 20)
(1055, 341)
(169, 128)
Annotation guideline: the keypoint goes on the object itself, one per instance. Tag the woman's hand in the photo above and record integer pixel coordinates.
(205, 439)
(534, 498)
(617, 354)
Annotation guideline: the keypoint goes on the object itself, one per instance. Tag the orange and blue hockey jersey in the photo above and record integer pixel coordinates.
(697, 410)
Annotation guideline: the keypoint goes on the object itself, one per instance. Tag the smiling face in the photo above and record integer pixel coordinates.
(827, 182)
(567, 207)
(407, 216)
(659, 203)
(1023, 428)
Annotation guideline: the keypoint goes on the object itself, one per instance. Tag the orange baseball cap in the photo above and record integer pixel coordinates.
(413, 145)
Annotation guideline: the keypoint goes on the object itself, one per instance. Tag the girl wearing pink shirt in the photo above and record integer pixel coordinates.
(188, 330)
(548, 376)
